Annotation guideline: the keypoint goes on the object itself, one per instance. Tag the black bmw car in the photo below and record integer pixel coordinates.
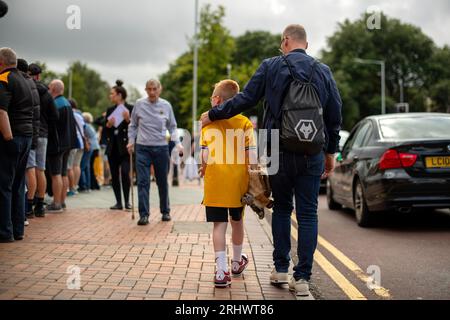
(393, 162)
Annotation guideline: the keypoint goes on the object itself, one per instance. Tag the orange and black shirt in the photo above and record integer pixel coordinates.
(17, 100)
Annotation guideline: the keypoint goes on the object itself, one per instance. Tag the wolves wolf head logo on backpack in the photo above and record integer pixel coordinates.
(306, 130)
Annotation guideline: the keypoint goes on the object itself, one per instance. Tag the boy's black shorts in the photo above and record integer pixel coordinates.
(215, 214)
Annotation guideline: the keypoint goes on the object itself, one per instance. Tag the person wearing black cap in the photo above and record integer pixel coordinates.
(22, 66)
(48, 117)
(16, 132)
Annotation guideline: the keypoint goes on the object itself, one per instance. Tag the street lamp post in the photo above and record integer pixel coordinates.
(382, 64)
(70, 82)
(195, 75)
(229, 70)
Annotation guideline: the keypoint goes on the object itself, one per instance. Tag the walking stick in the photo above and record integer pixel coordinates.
(132, 185)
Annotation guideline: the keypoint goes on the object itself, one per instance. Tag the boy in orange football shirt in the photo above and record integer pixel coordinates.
(227, 147)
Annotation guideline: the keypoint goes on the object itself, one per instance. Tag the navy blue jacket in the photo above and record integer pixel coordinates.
(271, 81)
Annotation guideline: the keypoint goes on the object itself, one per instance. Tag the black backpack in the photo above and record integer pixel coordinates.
(302, 126)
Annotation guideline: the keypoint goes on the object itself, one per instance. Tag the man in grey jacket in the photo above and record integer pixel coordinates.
(151, 118)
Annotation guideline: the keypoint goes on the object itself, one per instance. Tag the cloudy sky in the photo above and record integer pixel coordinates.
(137, 39)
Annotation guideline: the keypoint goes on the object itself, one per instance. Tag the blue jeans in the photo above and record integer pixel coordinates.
(85, 166)
(13, 159)
(298, 176)
(159, 157)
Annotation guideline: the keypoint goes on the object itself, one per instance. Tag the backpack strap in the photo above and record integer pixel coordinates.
(291, 71)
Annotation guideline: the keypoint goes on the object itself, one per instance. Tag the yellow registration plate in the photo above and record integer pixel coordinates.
(438, 162)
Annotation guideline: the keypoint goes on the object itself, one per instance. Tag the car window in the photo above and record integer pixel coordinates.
(344, 137)
(424, 127)
(349, 143)
(361, 134)
(369, 138)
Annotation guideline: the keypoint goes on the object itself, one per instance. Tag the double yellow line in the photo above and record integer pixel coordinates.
(341, 281)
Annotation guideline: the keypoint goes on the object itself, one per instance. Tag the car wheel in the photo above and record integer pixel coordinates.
(332, 205)
(362, 213)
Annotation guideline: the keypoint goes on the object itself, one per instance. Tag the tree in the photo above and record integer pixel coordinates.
(133, 94)
(256, 45)
(439, 78)
(440, 93)
(216, 48)
(177, 88)
(47, 75)
(405, 50)
(88, 88)
(251, 49)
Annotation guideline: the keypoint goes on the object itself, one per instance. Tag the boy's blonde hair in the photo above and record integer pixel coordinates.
(226, 89)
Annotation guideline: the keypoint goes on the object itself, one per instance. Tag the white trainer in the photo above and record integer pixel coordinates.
(279, 277)
(300, 287)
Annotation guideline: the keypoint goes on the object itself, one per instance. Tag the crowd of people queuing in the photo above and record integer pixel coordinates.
(50, 147)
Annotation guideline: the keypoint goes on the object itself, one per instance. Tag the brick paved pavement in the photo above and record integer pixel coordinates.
(119, 260)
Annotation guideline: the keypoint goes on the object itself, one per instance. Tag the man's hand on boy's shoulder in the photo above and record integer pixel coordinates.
(205, 119)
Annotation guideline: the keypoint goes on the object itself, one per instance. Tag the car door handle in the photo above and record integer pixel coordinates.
(355, 158)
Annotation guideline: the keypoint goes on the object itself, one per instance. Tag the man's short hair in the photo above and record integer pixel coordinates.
(226, 89)
(22, 65)
(154, 82)
(73, 103)
(8, 57)
(34, 69)
(295, 31)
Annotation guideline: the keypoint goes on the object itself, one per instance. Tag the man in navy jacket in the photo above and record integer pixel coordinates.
(298, 175)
